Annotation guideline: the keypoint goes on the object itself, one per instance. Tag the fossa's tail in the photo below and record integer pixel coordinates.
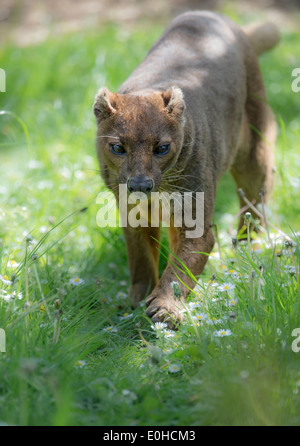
(262, 36)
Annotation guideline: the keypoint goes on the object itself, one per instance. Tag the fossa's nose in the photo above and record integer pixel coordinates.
(140, 184)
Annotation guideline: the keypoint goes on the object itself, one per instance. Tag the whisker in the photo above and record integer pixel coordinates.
(107, 136)
(179, 176)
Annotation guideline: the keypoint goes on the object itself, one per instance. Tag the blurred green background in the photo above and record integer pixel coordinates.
(56, 54)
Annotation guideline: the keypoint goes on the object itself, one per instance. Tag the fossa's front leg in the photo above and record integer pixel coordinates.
(162, 305)
(143, 256)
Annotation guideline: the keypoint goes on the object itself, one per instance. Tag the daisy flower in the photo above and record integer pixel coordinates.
(230, 271)
(216, 299)
(226, 286)
(288, 251)
(110, 329)
(222, 333)
(231, 302)
(290, 269)
(159, 326)
(80, 364)
(76, 281)
(224, 267)
(234, 274)
(121, 295)
(214, 255)
(169, 333)
(5, 295)
(168, 351)
(5, 280)
(213, 321)
(174, 368)
(126, 316)
(194, 305)
(12, 264)
(211, 283)
(200, 317)
(196, 324)
(197, 293)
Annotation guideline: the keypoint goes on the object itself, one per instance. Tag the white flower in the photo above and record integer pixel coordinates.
(5, 280)
(200, 317)
(211, 283)
(8, 296)
(128, 394)
(214, 255)
(214, 321)
(224, 268)
(195, 324)
(290, 269)
(229, 272)
(216, 299)
(174, 283)
(234, 274)
(5, 295)
(126, 316)
(290, 247)
(244, 374)
(184, 310)
(79, 174)
(121, 295)
(193, 305)
(34, 164)
(226, 286)
(169, 333)
(174, 368)
(76, 281)
(231, 302)
(12, 264)
(110, 329)
(197, 292)
(80, 364)
(168, 351)
(45, 184)
(43, 229)
(222, 333)
(159, 326)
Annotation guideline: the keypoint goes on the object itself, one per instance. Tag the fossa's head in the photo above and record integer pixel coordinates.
(139, 136)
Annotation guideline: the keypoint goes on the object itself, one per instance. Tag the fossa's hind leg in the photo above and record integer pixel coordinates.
(254, 166)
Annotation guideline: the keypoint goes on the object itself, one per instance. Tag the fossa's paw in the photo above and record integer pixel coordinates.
(165, 309)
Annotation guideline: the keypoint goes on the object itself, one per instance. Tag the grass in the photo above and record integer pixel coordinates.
(79, 355)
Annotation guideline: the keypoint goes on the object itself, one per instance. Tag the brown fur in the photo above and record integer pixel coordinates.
(199, 88)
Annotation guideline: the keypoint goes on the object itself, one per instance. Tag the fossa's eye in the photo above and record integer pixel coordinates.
(117, 149)
(163, 149)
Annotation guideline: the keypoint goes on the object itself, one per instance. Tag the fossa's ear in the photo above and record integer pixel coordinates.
(174, 102)
(105, 103)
